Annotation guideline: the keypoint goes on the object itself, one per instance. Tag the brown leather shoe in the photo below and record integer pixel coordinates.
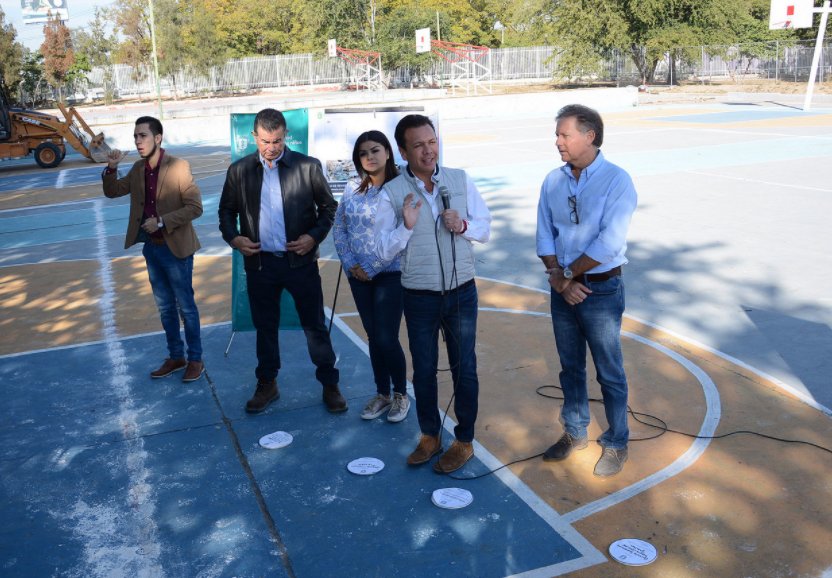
(428, 447)
(335, 402)
(168, 367)
(266, 393)
(457, 455)
(194, 371)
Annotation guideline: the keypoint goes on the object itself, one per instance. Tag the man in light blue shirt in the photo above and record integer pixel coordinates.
(583, 216)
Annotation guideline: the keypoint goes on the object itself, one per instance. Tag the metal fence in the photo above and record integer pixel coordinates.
(779, 60)
(787, 60)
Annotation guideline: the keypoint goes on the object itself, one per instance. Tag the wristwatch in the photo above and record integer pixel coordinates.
(567, 273)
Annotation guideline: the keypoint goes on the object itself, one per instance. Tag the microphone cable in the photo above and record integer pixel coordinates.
(663, 427)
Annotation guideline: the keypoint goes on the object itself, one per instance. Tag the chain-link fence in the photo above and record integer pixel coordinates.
(782, 60)
(779, 60)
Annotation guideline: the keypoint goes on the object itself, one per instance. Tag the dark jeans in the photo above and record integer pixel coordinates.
(171, 279)
(457, 314)
(379, 303)
(595, 322)
(304, 284)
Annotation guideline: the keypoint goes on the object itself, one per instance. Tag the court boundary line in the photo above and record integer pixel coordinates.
(697, 172)
(590, 555)
(709, 424)
(777, 382)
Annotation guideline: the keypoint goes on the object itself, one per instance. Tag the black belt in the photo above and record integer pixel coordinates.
(596, 277)
(281, 254)
(438, 293)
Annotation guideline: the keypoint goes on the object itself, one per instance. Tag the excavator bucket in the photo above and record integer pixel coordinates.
(99, 149)
(82, 138)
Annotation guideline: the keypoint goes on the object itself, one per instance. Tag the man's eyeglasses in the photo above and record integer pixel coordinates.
(573, 204)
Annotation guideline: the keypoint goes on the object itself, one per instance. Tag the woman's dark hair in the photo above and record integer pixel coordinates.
(390, 170)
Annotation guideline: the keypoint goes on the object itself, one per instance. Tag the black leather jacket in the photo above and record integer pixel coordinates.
(308, 205)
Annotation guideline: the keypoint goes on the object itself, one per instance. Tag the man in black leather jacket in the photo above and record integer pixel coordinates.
(286, 210)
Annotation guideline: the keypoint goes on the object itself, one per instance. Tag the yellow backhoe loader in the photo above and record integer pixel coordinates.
(25, 131)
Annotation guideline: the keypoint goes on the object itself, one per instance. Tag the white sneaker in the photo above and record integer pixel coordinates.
(376, 406)
(401, 405)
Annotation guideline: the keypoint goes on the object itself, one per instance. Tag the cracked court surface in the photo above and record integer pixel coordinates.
(106, 472)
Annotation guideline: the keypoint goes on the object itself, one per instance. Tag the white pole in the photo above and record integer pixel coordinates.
(824, 16)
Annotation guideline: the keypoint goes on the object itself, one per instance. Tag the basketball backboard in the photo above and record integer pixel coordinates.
(423, 40)
(791, 14)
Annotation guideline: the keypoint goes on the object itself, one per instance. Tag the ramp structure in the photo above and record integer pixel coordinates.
(468, 65)
(367, 65)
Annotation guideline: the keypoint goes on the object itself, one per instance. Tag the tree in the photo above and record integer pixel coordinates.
(77, 73)
(99, 49)
(58, 56)
(11, 53)
(590, 30)
(396, 38)
(32, 76)
(187, 36)
(130, 18)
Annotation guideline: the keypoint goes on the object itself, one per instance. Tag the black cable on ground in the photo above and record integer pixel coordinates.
(663, 427)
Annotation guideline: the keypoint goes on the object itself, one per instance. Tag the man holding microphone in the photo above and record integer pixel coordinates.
(438, 280)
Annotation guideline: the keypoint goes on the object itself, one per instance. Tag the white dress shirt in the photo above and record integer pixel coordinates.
(391, 240)
(272, 225)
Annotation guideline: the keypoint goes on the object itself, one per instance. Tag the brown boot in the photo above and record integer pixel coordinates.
(456, 457)
(428, 447)
(266, 393)
(194, 371)
(335, 402)
(168, 367)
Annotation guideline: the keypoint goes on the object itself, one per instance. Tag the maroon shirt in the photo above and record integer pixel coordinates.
(151, 181)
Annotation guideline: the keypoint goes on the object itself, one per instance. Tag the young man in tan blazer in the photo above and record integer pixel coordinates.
(164, 200)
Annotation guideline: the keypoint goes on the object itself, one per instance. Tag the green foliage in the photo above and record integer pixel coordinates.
(11, 53)
(647, 29)
(32, 75)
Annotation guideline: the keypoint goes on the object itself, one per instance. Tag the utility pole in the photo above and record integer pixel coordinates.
(155, 60)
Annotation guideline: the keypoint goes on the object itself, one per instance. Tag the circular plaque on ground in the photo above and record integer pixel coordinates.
(633, 552)
(365, 466)
(278, 439)
(451, 498)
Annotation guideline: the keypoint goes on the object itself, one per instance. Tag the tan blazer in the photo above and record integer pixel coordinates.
(178, 202)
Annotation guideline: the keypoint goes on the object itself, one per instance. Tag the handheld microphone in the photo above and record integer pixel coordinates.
(446, 197)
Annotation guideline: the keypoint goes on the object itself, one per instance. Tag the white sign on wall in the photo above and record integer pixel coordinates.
(791, 14)
(333, 48)
(423, 40)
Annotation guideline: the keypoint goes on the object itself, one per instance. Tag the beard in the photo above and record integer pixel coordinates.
(151, 153)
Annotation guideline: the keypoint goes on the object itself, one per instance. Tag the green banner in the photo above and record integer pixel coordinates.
(242, 144)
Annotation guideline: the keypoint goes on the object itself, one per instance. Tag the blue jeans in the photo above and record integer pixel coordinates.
(171, 279)
(595, 322)
(379, 303)
(456, 313)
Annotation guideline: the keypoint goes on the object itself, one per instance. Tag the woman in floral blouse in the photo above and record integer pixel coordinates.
(375, 284)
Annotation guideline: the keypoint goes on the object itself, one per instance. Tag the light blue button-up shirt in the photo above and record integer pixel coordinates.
(606, 200)
(272, 225)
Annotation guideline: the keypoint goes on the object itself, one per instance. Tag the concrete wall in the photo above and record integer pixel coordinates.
(216, 126)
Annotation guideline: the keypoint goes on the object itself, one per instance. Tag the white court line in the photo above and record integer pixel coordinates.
(759, 182)
(133, 542)
(709, 424)
(99, 342)
(59, 184)
(807, 399)
(687, 459)
(590, 555)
